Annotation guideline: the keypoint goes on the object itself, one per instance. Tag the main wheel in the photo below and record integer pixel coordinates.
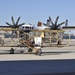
(29, 50)
(11, 51)
(39, 52)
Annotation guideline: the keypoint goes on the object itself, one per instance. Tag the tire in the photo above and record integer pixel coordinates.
(11, 51)
(59, 42)
(29, 50)
(39, 52)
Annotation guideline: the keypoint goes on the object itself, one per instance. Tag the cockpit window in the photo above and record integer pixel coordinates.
(26, 27)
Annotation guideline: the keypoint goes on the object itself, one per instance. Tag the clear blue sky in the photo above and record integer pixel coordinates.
(32, 11)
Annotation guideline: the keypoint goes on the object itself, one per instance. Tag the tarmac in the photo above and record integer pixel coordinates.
(53, 61)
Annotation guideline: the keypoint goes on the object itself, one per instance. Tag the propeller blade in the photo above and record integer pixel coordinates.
(8, 24)
(60, 24)
(17, 21)
(53, 27)
(21, 24)
(46, 25)
(51, 20)
(13, 20)
(56, 20)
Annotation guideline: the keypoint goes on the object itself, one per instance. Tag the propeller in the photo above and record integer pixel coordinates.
(15, 24)
(54, 26)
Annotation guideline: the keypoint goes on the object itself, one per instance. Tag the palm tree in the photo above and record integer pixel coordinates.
(15, 24)
(54, 26)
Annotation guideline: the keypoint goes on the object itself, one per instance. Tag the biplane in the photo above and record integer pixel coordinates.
(21, 35)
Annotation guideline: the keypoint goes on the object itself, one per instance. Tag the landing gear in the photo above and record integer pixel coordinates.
(29, 50)
(59, 42)
(11, 51)
(39, 52)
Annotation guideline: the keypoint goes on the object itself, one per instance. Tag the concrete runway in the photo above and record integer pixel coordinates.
(38, 67)
(53, 61)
